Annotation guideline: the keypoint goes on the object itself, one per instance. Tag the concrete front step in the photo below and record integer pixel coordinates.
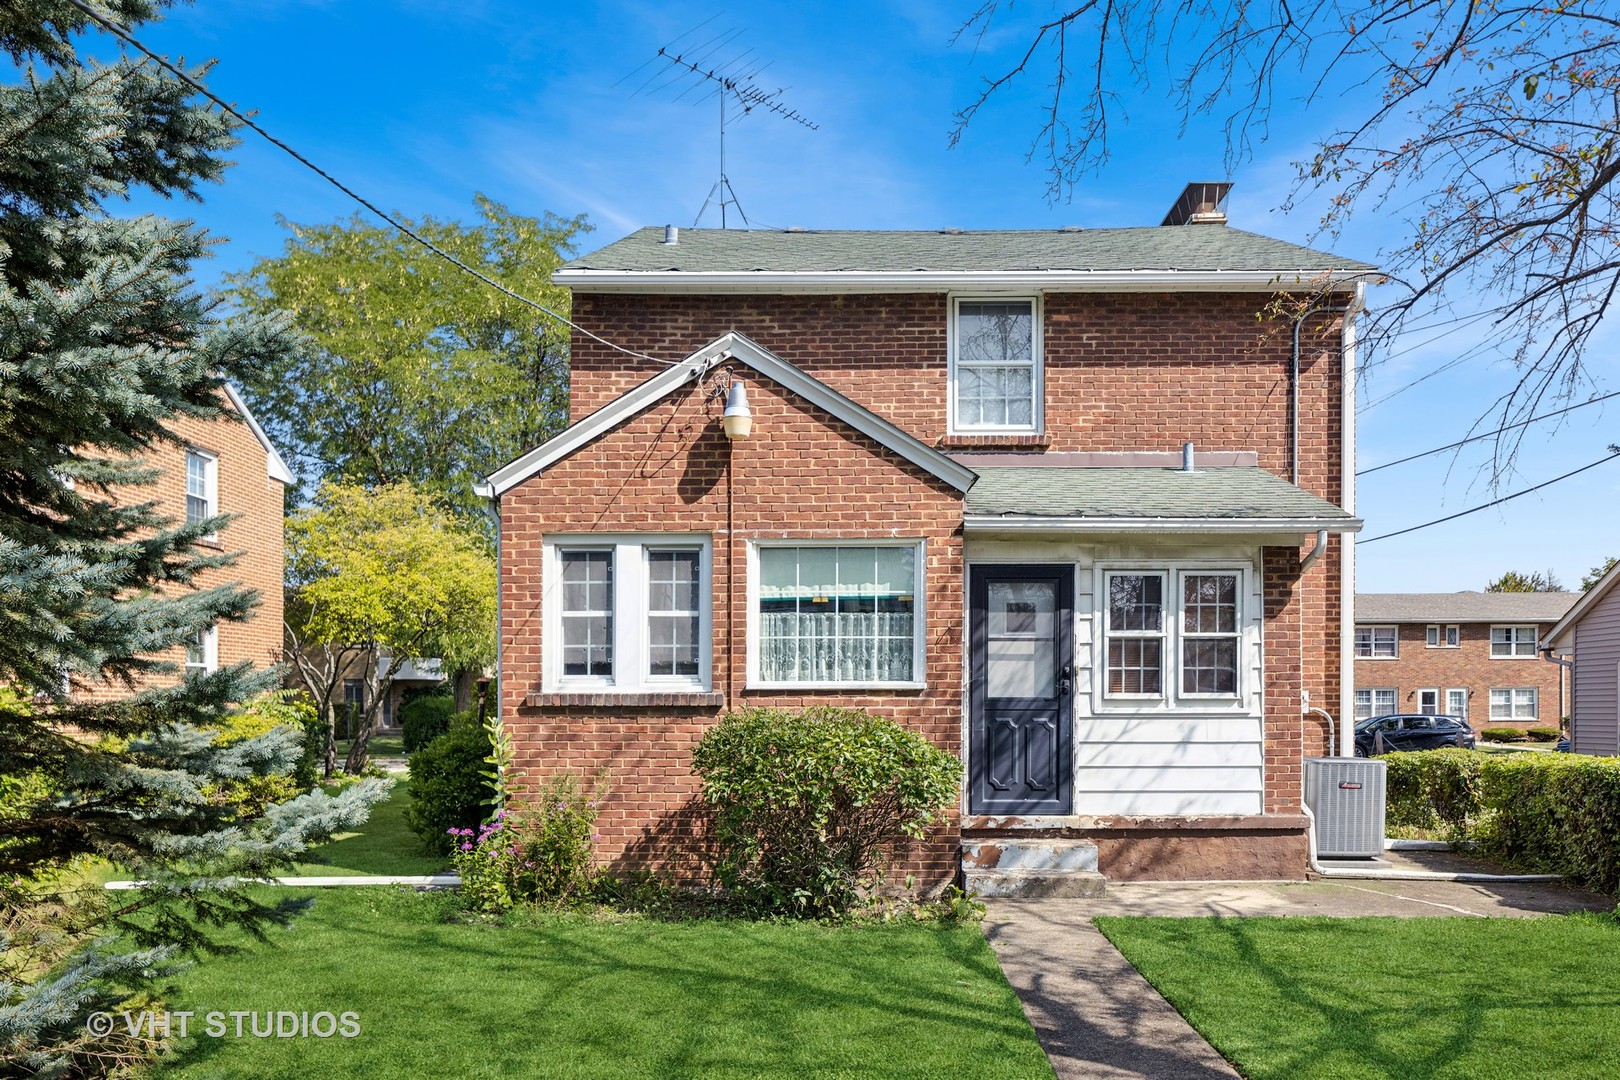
(1006, 867)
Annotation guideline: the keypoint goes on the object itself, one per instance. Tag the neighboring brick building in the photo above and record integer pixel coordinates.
(224, 466)
(1471, 654)
(961, 505)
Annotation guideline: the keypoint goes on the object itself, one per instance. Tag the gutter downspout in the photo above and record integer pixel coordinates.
(1564, 678)
(1347, 541)
(1315, 552)
(493, 507)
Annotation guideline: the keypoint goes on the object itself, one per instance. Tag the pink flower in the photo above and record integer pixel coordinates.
(466, 846)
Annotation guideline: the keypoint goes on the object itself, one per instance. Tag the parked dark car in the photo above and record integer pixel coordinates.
(1412, 731)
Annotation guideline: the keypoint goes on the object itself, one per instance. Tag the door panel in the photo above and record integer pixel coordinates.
(1021, 663)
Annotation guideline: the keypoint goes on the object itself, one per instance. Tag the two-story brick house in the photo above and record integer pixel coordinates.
(961, 502)
(1468, 654)
(222, 465)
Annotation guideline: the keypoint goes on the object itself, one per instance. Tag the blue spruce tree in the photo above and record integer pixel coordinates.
(103, 340)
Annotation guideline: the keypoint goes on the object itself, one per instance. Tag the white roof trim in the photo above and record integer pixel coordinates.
(737, 347)
(1564, 626)
(783, 281)
(274, 465)
(1224, 526)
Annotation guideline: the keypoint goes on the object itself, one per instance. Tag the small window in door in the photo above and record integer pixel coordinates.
(1428, 702)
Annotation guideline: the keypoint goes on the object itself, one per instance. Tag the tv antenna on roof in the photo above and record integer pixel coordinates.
(729, 80)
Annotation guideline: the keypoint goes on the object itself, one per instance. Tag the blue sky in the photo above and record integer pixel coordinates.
(419, 104)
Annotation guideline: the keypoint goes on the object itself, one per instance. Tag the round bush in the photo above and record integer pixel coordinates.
(449, 788)
(1502, 734)
(810, 806)
(424, 719)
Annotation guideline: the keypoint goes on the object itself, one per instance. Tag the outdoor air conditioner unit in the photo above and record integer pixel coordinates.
(1346, 795)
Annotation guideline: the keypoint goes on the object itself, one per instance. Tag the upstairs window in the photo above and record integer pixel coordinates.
(202, 498)
(202, 652)
(1441, 637)
(1375, 643)
(995, 367)
(1513, 641)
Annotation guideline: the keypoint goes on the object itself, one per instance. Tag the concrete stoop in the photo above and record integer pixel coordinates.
(1031, 868)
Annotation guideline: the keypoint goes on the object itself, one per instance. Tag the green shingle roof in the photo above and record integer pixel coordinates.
(1161, 248)
(1230, 493)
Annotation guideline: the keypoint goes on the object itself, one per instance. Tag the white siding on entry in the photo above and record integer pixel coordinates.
(1595, 683)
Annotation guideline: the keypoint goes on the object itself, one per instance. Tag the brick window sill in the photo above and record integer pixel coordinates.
(995, 442)
(667, 700)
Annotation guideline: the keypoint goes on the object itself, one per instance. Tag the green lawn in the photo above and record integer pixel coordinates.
(1471, 999)
(383, 845)
(573, 996)
(376, 746)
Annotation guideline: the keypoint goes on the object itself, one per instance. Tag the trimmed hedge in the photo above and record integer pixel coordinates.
(1547, 813)
(423, 719)
(1502, 734)
(1543, 734)
(450, 788)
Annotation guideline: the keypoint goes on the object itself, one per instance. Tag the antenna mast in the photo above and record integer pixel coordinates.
(731, 79)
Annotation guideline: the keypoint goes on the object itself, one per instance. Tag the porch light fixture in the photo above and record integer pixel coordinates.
(738, 420)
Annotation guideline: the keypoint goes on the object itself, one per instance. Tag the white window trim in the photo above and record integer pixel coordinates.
(210, 644)
(1531, 655)
(210, 461)
(1037, 354)
(1442, 636)
(630, 630)
(919, 645)
(1172, 696)
(1374, 628)
(1513, 704)
(1372, 693)
(1439, 700)
(1463, 690)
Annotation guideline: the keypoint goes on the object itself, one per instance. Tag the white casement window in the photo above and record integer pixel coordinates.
(202, 652)
(202, 486)
(1428, 702)
(1457, 701)
(1181, 639)
(1513, 641)
(627, 613)
(995, 366)
(1514, 703)
(1442, 637)
(1376, 643)
(846, 615)
(1375, 701)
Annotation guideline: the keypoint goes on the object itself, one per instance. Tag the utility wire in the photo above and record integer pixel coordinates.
(126, 36)
(1614, 453)
(1487, 435)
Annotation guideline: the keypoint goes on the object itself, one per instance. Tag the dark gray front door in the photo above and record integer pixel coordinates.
(1021, 664)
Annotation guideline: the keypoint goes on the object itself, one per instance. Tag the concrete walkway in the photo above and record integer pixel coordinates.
(1098, 1019)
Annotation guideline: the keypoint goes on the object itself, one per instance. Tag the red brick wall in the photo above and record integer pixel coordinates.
(245, 489)
(800, 475)
(1418, 667)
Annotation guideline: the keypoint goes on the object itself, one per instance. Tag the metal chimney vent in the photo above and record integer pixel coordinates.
(1200, 204)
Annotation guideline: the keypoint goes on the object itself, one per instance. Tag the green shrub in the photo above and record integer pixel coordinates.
(539, 856)
(1434, 789)
(810, 806)
(1502, 734)
(449, 789)
(1555, 813)
(252, 795)
(1543, 734)
(423, 719)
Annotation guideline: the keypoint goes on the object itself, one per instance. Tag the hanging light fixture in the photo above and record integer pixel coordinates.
(738, 420)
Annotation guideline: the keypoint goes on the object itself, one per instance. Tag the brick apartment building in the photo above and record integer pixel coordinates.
(1471, 654)
(961, 502)
(226, 466)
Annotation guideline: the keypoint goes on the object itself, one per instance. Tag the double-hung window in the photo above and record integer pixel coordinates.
(995, 367)
(202, 652)
(1375, 701)
(1513, 641)
(202, 486)
(847, 614)
(628, 613)
(1173, 635)
(1376, 643)
(1514, 703)
(1441, 637)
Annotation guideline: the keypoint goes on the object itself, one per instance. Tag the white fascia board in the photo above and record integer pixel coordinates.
(1217, 526)
(740, 348)
(1555, 638)
(274, 465)
(845, 281)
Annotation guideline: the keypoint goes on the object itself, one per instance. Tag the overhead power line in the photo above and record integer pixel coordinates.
(1488, 434)
(124, 35)
(1614, 452)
